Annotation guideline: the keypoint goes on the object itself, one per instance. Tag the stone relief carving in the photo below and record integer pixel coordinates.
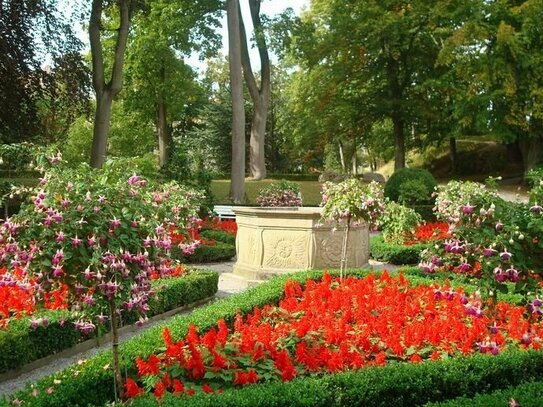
(283, 251)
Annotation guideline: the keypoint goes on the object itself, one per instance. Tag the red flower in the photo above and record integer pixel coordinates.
(159, 390)
(207, 388)
(132, 389)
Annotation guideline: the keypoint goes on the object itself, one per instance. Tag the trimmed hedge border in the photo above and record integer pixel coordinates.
(207, 254)
(394, 253)
(399, 384)
(92, 385)
(527, 395)
(20, 344)
(219, 236)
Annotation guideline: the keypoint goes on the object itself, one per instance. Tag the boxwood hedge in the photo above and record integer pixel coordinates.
(398, 384)
(208, 254)
(528, 394)
(20, 344)
(91, 383)
(394, 253)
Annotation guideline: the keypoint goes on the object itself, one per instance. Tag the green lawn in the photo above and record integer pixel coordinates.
(311, 191)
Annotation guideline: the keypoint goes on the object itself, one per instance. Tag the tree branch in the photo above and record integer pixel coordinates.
(116, 83)
(96, 47)
(246, 63)
(254, 6)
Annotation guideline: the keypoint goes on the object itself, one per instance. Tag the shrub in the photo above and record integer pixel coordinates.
(207, 253)
(398, 223)
(395, 253)
(411, 186)
(219, 236)
(525, 395)
(21, 344)
(281, 193)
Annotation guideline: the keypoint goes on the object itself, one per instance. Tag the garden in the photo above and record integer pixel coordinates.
(271, 203)
(458, 322)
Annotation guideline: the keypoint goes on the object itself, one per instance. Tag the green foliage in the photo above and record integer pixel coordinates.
(207, 254)
(219, 235)
(20, 344)
(535, 177)
(421, 180)
(395, 253)
(527, 394)
(398, 223)
(281, 193)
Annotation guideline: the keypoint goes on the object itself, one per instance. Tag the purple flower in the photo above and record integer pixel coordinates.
(499, 227)
(505, 255)
(59, 237)
(489, 252)
(76, 241)
(57, 258)
(114, 223)
(133, 180)
(467, 209)
(536, 209)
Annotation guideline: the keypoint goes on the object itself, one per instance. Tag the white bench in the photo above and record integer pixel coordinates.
(224, 212)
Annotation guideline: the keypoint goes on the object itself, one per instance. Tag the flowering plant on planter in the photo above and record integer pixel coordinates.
(282, 193)
(352, 201)
(102, 233)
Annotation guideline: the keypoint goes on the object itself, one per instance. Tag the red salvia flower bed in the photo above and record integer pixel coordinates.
(17, 296)
(333, 326)
(430, 232)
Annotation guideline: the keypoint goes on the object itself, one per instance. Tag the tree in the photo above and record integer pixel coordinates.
(237, 179)
(158, 82)
(499, 54)
(29, 31)
(260, 95)
(379, 53)
(106, 89)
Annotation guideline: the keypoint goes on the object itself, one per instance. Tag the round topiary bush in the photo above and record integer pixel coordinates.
(411, 186)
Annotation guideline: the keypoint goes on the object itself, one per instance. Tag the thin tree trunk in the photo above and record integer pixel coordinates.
(343, 264)
(341, 157)
(102, 119)
(237, 177)
(399, 143)
(453, 156)
(115, 348)
(164, 135)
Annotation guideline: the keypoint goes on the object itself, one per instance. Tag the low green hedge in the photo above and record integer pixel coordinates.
(430, 381)
(398, 384)
(527, 395)
(219, 236)
(207, 254)
(20, 344)
(393, 253)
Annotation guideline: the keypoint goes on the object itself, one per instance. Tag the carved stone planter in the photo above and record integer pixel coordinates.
(282, 240)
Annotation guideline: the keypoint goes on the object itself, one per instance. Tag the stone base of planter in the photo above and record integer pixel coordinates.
(273, 241)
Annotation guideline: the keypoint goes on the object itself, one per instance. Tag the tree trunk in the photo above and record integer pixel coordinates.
(237, 177)
(259, 96)
(114, 318)
(531, 148)
(341, 157)
(399, 143)
(453, 156)
(102, 119)
(164, 135)
(106, 92)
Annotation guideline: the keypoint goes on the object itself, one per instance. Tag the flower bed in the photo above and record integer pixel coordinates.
(395, 384)
(29, 338)
(335, 326)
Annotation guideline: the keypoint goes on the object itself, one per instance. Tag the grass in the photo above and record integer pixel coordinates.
(311, 191)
